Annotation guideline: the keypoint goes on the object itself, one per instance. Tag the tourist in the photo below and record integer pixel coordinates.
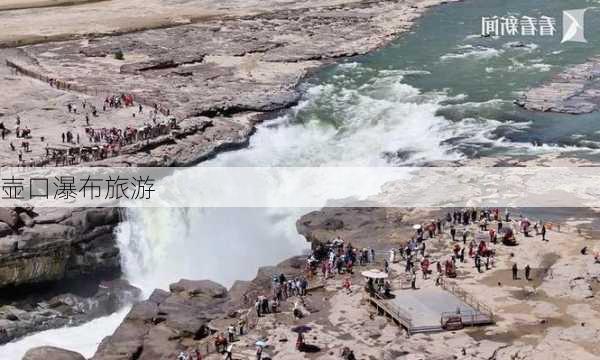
(348, 354)
(259, 350)
(265, 305)
(231, 333)
(413, 280)
(527, 272)
(303, 285)
(483, 224)
(515, 271)
(425, 267)
(544, 233)
(439, 279)
(296, 310)
(478, 262)
(453, 232)
(492, 234)
(300, 342)
(228, 352)
(275, 306)
(387, 289)
(347, 285)
(257, 306)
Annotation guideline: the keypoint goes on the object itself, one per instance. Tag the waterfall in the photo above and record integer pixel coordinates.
(162, 245)
(379, 122)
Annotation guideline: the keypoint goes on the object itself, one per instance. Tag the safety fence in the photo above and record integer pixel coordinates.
(71, 86)
(470, 300)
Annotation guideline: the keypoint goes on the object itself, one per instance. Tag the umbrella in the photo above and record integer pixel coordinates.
(261, 343)
(374, 274)
(416, 226)
(301, 329)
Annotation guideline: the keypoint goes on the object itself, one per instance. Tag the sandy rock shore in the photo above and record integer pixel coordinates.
(231, 70)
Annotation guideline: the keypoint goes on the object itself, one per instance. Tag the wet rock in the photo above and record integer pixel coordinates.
(160, 343)
(51, 353)
(10, 217)
(573, 91)
(200, 287)
(56, 245)
(158, 327)
(5, 229)
(26, 219)
(358, 226)
(158, 296)
(64, 309)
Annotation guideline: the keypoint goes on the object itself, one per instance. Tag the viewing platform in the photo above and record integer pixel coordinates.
(433, 309)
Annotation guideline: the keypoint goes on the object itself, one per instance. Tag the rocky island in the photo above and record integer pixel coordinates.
(573, 91)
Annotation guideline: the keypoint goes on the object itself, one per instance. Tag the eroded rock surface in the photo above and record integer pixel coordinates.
(159, 327)
(71, 306)
(59, 244)
(575, 91)
(231, 70)
(51, 353)
(45, 251)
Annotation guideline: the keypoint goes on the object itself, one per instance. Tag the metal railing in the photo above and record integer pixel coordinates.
(395, 314)
(467, 317)
(468, 299)
(71, 86)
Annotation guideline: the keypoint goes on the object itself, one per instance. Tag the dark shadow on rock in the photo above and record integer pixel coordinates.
(308, 348)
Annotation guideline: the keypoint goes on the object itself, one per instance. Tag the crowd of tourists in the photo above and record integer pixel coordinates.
(474, 235)
(102, 142)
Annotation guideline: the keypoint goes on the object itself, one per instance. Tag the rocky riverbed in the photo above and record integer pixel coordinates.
(574, 91)
(553, 315)
(217, 76)
(58, 266)
(233, 71)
